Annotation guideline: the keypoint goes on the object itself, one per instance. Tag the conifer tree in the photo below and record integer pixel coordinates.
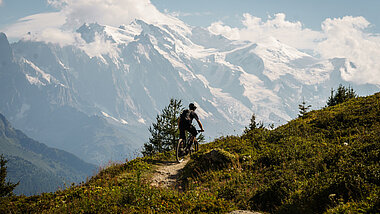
(303, 108)
(6, 188)
(164, 132)
(341, 95)
(253, 124)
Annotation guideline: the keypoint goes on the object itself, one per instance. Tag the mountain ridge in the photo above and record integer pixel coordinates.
(124, 76)
(38, 167)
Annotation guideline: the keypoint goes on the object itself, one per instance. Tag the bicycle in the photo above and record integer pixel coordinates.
(182, 151)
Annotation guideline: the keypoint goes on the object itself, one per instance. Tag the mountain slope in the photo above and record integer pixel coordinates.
(324, 162)
(47, 109)
(120, 78)
(38, 167)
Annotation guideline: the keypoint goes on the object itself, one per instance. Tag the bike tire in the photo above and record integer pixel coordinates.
(180, 151)
(196, 145)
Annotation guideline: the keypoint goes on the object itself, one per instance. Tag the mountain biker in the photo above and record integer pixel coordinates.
(185, 123)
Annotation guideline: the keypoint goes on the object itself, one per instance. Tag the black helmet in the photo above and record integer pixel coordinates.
(192, 106)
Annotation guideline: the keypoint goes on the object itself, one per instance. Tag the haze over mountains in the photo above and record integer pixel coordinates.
(37, 167)
(97, 96)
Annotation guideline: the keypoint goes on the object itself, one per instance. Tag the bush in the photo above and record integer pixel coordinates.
(6, 188)
(214, 159)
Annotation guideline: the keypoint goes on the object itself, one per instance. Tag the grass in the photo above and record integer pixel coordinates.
(324, 162)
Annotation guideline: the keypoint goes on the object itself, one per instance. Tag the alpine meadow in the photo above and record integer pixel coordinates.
(326, 161)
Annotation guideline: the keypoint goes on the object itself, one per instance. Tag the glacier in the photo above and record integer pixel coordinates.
(97, 97)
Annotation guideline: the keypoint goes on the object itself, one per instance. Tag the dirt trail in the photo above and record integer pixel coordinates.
(167, 174)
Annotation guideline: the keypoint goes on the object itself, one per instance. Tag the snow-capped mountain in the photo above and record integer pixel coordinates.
(97, 97)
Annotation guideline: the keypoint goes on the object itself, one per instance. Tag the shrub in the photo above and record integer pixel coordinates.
(214, 159)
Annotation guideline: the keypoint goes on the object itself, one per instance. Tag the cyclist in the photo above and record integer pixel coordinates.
(185, 124)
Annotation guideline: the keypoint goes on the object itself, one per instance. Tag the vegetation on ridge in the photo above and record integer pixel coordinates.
(165, 131)
(6, 187)
(326, 161)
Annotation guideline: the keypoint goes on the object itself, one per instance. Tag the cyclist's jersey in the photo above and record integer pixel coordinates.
(186, 124)
(193, 115)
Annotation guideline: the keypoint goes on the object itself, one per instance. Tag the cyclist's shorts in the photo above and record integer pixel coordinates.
(191, 129)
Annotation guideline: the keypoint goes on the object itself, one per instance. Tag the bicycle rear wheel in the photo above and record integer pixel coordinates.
(180, 151)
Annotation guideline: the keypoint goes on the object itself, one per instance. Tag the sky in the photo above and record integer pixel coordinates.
(202, 13)
(310, 12)
(330, 28)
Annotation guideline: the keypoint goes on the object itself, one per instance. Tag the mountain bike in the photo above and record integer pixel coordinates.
(182, 151)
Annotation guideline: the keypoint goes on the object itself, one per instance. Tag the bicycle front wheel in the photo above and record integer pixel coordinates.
(180, 151)
(196, 145)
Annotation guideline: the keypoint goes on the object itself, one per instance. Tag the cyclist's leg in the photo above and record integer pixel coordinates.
(182, 134)
(181, 142)
(193, 133)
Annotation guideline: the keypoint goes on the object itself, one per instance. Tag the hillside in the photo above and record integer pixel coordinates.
(326, 161)
(38, 167)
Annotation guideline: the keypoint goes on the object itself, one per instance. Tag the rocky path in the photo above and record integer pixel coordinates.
(166, 175)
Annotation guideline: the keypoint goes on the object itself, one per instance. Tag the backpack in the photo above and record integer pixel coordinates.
(185, 117)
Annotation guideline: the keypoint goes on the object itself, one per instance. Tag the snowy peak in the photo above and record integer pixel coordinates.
(276, 60)
(205, 38)
(89, 31)
(126, 33)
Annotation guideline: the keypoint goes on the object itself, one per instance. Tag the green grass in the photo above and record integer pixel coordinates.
(324, 162)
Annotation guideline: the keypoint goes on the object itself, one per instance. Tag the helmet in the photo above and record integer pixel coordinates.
(192, 106)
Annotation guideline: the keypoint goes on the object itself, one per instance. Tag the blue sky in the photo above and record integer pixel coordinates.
(202, 13)
(12, 10)
(310, 12)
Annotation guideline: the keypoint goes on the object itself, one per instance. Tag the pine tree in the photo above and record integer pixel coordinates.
(341, 95)
(164, 132)
(6, 188)
(303, 108)
(253, 124)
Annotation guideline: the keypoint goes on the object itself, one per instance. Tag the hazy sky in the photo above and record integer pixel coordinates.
(328, 28)
(202, 13)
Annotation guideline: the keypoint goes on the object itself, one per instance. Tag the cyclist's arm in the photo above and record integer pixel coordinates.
(200, 125)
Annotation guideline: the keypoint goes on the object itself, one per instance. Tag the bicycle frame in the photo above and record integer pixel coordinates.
(182, 149)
